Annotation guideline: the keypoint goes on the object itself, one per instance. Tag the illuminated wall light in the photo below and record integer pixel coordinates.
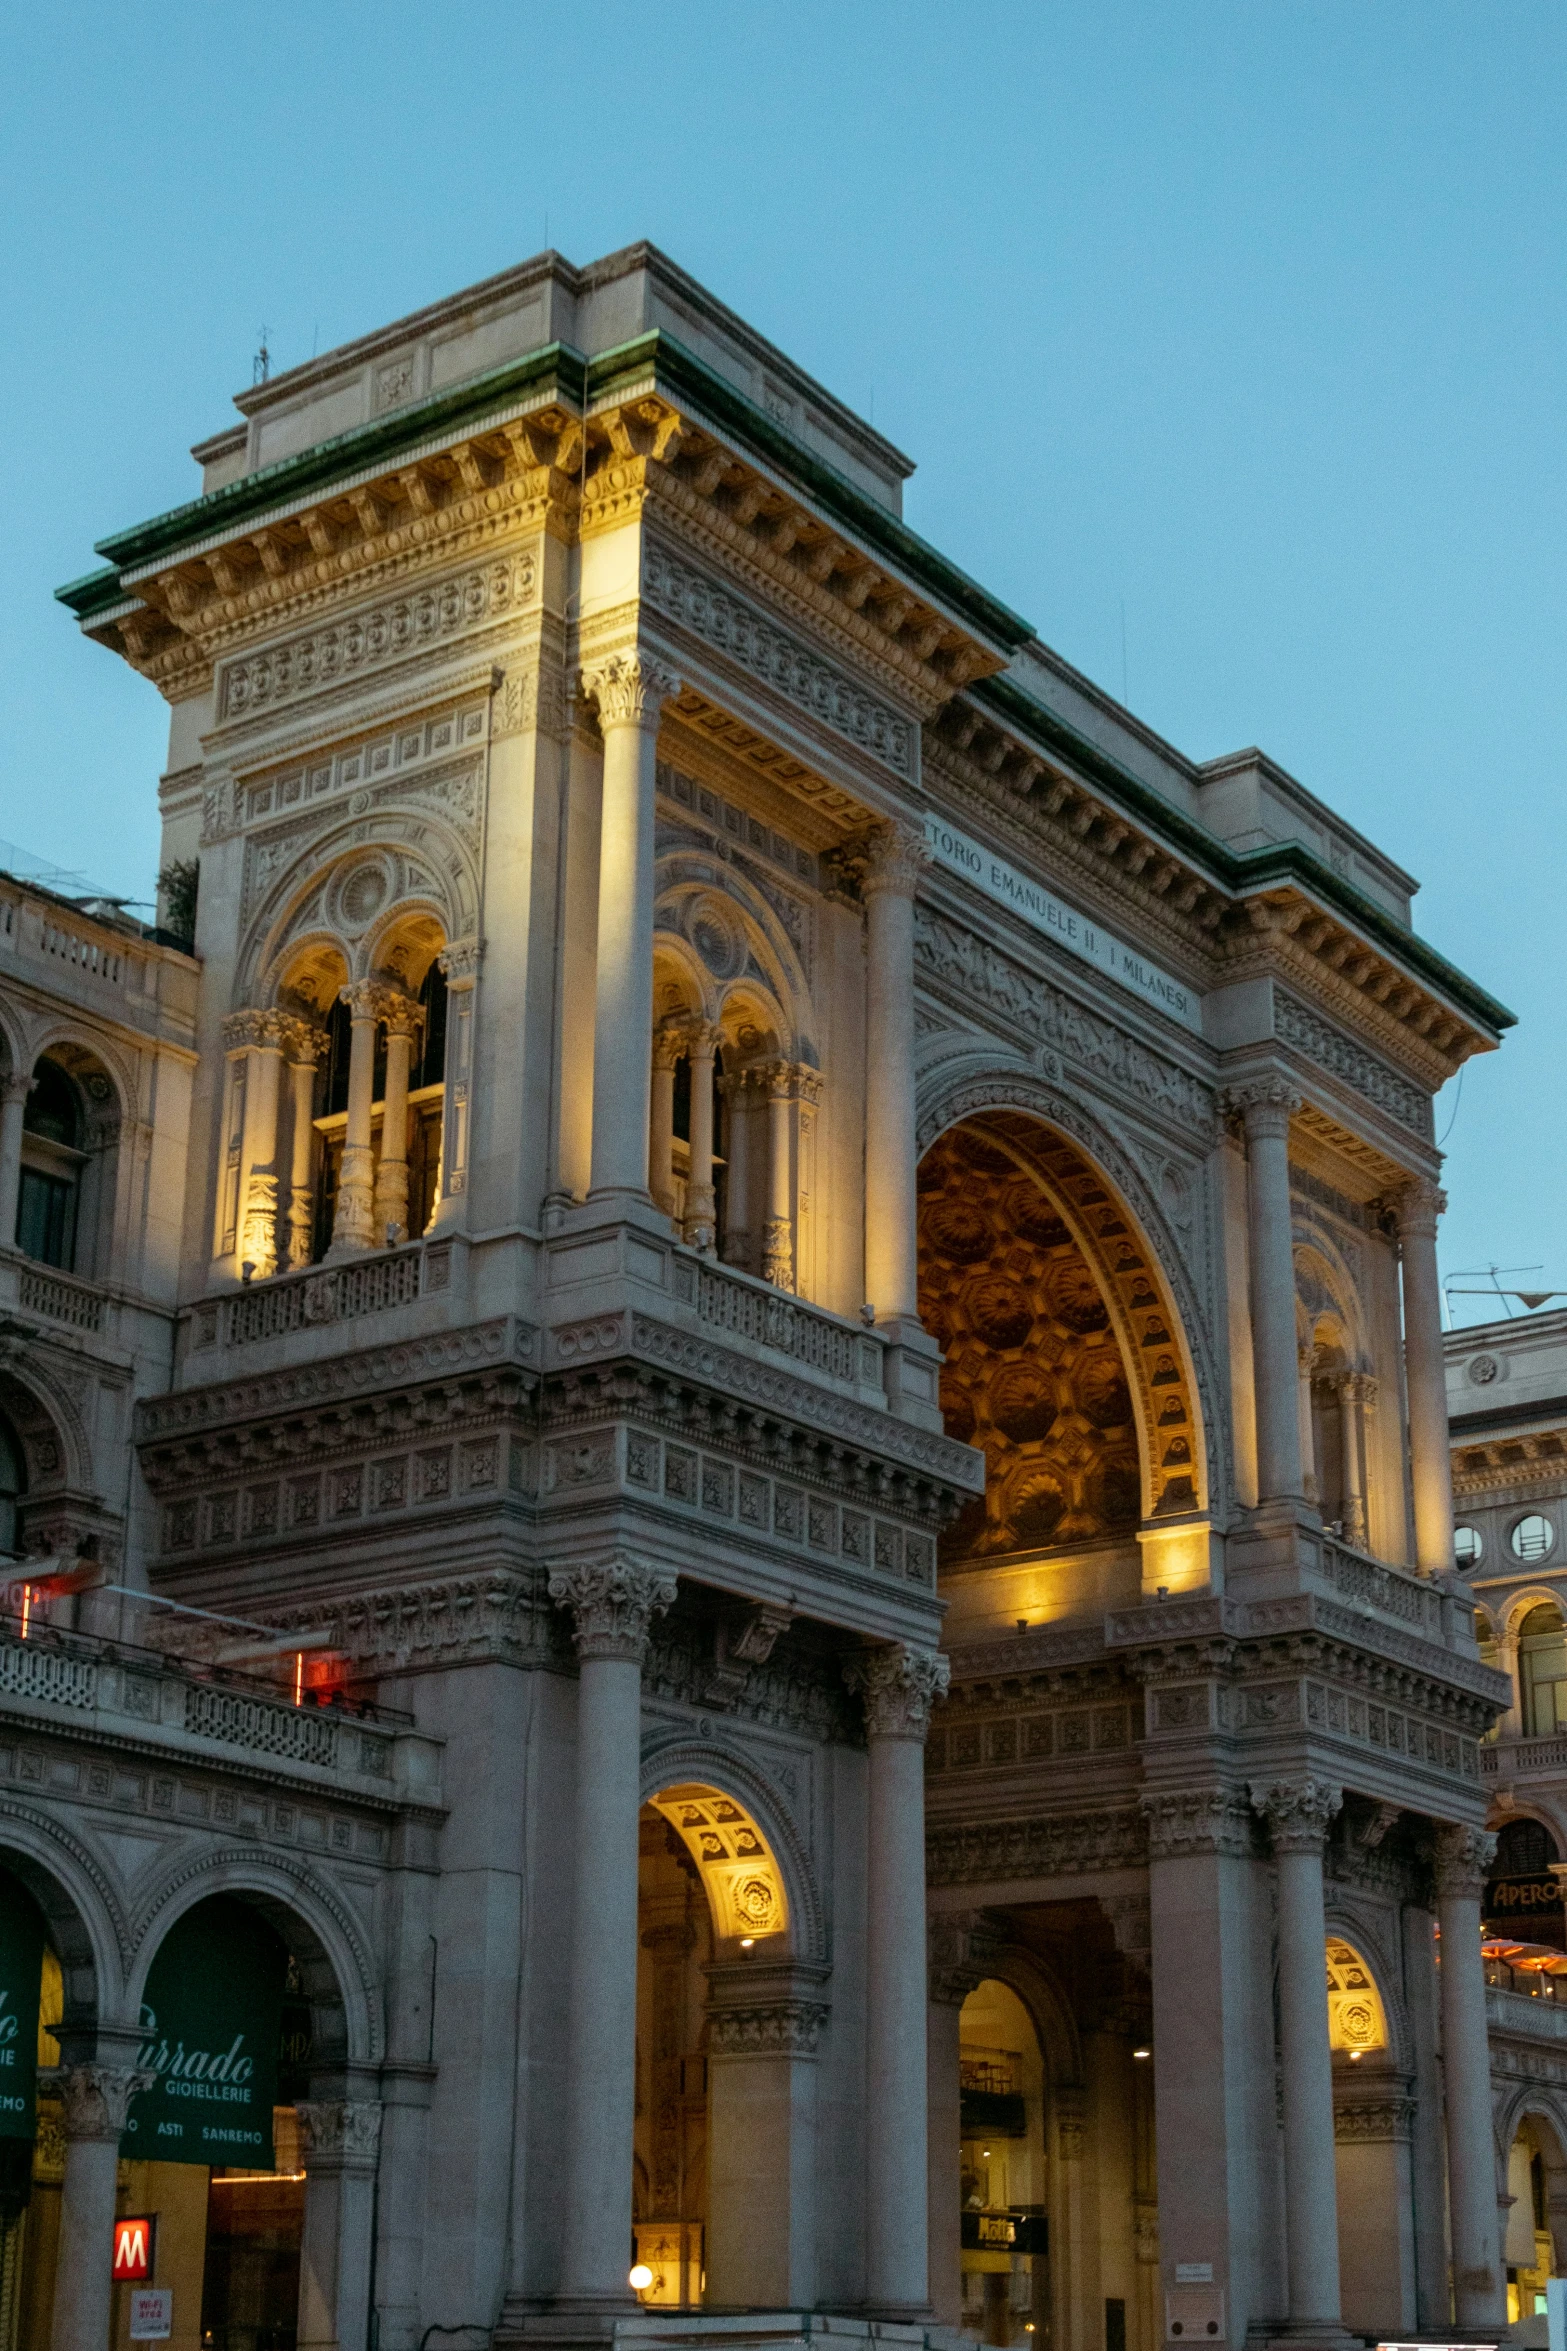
(640, 2277)
(1142, 2052)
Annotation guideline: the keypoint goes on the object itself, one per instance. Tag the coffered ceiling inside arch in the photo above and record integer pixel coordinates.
(1036, 1373)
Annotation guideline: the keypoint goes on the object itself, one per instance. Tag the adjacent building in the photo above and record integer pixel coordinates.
(777, 1632)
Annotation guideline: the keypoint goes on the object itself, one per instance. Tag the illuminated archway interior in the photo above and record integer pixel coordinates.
(1059, 1343)
(1357, 2020)
(739, 1871)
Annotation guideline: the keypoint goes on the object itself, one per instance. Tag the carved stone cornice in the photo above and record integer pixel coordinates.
(340, 2133)
(1461, 1862)
(612, 1605)
(990, 1852)
(630, 690)
(95, 2099)
(1299, 1813)
(779, 2028)
(1185, 1822)
(1374, 2120)
(899, 1686)
(456, 1620)
(460, 962)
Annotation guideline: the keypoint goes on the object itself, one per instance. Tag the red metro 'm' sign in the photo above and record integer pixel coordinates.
(133, 2249)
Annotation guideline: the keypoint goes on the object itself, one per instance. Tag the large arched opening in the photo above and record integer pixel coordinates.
(1004, 2183)
(1372, 2115)
(1067, 1363)
(728, 2017)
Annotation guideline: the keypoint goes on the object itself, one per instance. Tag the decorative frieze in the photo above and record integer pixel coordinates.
(498, 1616)
(323, 658)
(1026, 1005)
(781, 2028)
(1187, 1821)
(1063, 1734)
(1301, 1026)
(982, 1852)
(737, 629)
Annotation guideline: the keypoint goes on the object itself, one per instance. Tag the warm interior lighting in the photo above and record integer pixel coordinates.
(27, 1607)
(748, 1942)
(1355, 2056)
(299, 1677)
(1142, 2052)
(641, 2277)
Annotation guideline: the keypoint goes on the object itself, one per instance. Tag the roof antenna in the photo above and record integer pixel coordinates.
(261, 365)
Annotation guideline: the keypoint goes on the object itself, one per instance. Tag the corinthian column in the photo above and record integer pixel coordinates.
(1479, 2281)
(702, 1043)
(1417, 1208)
(15, 1087)
(403, 1018)
(899, 1686)
(778, 1232)
(1298, 1815)
(342, 2139)
(353, 1227)
(1266, 1106)
(612, 1606)
(303, 1044)
(96, 2099)
(895, 862)
(255, 1240)
(630, 690)
(1356, 1398)
(667, 1045)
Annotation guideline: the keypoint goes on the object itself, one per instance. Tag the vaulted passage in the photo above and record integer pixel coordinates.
(1062, 1355)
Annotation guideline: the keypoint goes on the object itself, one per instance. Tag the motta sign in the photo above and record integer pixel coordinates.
(21, 1970)
(211, 2022)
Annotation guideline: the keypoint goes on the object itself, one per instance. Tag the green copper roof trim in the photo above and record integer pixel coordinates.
(678, 369)
(1239, 871)
(565, 373)
(556, 367)
(94, 592)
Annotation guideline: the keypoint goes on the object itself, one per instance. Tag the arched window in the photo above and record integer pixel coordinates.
(52, 1162)
(1524, 1849)
(1542, 1670)
(13, 1482)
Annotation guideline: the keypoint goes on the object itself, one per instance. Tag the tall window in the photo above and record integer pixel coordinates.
(52, 1160)
(1542, 1671)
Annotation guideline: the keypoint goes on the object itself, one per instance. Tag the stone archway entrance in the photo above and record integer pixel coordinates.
(723, 2184)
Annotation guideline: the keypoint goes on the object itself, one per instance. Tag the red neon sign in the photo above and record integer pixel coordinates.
(133, 2242)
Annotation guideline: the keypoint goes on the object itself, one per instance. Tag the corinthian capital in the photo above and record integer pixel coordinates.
(346, 2128)
(1298, 1813)
(96, 2098)
(1264, 1106)
(895, 858)
(1416, 1206)
(899, 1687)
(630, 690)
(613, 1605)
(1463, 1862)
(252, 1027)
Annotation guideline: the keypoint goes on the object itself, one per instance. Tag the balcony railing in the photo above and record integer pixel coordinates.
(751, 1309)
(60, 1296)
(1389, 1592)
(322, 1294)
(82, 1673)
(1523, 1759)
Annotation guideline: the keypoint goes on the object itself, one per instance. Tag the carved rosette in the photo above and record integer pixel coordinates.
(899, 1687)
(781, 2028)
(1463, 1861)
(613, 1607)
(95, 2099)
(1190, 1821)
(343, 2131)
(895, 858)
(960, 1950)
(1298, 1813)
(630, 690)
(1264, 1107)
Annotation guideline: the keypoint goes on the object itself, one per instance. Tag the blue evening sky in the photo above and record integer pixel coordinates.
(1229, 341)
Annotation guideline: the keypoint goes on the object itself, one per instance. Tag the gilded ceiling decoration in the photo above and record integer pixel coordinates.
(1035, 1372)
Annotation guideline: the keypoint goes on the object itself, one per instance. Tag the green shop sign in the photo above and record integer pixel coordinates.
(21, 1971)
(211, 2021)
